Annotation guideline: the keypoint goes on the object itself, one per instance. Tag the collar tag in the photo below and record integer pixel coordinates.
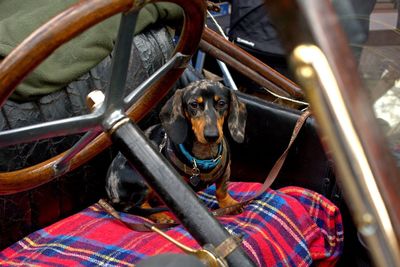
(195, 178)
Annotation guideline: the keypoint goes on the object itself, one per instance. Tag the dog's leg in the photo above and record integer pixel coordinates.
(159, 217)
(222, 194)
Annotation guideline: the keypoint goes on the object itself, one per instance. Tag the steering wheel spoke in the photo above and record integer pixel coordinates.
(115, 92)
(50, 129)
(179, 60)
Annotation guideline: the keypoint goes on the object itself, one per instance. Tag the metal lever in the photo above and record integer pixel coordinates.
(94, 100)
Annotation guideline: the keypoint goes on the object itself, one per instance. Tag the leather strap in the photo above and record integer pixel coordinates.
(272, 174)
(140, 227)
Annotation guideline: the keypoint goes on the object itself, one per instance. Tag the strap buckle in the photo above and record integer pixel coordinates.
(209, 255)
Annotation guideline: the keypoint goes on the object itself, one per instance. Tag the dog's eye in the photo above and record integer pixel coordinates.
(194, 105)
(221, 104)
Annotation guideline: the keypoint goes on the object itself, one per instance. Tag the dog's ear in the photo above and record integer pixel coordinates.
(173, 119)
(237, 118)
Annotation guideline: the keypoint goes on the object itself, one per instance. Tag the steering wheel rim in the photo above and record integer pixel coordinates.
(70, 23)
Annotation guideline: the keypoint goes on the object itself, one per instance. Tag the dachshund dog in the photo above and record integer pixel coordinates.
(191, 137)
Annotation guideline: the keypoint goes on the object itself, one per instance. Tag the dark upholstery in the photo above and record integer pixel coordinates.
(268, 131)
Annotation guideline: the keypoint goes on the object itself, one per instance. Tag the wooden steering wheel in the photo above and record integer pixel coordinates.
(62, 28)
(110, 116)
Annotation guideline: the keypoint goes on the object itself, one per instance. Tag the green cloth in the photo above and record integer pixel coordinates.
(19, 18)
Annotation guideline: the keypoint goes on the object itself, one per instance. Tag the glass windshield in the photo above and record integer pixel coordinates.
(379, 63)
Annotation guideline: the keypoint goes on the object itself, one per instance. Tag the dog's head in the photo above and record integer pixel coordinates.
(204, 106)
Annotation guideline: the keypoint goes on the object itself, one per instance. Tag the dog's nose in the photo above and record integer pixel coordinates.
(211, 134)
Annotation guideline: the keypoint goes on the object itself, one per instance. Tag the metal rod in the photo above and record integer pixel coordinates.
(120, 62)
(228, 79)
(200, 60)
(114, 94)
(51, 129)
(63, 165)
(177, 61)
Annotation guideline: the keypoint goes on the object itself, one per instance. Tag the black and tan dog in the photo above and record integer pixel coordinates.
(191, 136)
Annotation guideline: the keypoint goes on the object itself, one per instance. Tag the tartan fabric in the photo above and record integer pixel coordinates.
(288, 227)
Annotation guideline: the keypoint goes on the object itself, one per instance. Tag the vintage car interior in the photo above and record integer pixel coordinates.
(55, 149)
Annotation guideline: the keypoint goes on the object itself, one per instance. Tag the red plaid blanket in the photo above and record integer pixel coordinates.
(287, 227)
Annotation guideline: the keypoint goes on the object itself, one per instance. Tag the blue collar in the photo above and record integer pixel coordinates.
(204, 164)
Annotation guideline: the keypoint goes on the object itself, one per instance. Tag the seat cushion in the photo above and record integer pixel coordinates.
(291, 226)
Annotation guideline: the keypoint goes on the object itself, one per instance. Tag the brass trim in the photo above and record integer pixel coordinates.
(204, 255)
(228, 246)
(372, 218)
(117, 125)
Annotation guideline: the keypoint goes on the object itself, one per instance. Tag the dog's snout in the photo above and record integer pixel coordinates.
(211, 134)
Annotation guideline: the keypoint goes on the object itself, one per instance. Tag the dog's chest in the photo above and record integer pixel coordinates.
(198, 173)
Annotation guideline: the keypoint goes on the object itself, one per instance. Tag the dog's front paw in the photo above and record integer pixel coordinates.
(161, 217)
(231, 204)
